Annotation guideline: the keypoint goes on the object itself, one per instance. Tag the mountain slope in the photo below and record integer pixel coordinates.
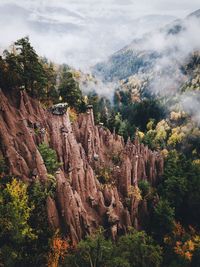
(154, 52)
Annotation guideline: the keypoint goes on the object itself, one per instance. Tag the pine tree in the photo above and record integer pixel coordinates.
(33, 74)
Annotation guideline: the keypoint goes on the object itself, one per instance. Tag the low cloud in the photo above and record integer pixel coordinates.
(190, 103)
(82, 33)
(173, 51)
(79, 33)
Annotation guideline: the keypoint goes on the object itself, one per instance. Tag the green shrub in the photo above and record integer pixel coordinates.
(135, 249)
(116, 159)
(144, 187)
(50, 158)
(104, 175)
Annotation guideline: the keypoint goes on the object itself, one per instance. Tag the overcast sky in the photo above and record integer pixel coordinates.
(136, 7)
(83, 32)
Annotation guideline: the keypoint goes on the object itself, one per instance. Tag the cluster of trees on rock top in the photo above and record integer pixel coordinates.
(171, 231)
(21, 68)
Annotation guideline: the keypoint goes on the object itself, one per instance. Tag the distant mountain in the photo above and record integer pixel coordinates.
(195, 14)
(125, 63)
(153, 52)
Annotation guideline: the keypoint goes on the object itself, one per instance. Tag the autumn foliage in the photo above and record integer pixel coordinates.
(59, 250)
(184, 242)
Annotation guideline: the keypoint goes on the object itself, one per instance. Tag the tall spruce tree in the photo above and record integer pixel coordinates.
(33, 74)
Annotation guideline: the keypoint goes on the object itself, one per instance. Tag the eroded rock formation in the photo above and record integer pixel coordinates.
(83, 201)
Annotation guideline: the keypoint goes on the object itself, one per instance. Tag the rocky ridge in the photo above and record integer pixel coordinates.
(82, 202)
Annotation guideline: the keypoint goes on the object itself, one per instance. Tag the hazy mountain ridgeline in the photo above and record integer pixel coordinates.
(157, 60)
(153, 50)
(71, 28)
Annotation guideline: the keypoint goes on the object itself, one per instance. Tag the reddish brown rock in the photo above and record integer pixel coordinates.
(52, 213)
(82, 203)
